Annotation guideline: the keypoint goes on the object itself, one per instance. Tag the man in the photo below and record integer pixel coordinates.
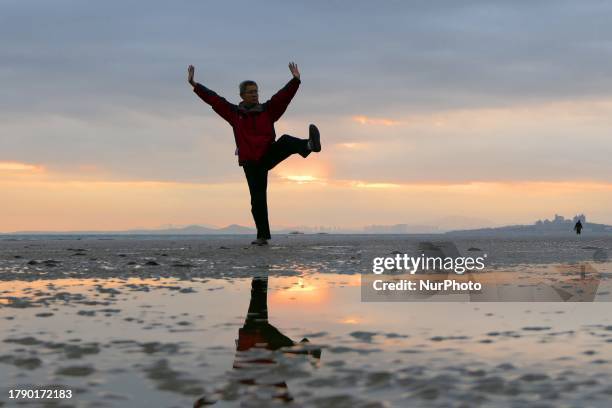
(578, 227)
(256, 147)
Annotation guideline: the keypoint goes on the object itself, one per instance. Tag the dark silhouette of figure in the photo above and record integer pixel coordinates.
(578, 227)
(256, 145)
(258, 333)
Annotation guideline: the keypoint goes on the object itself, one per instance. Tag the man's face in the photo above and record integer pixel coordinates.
(250, 94)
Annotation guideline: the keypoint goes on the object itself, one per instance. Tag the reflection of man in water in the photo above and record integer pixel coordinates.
(257, 333)
(578, 227)
(257, 150)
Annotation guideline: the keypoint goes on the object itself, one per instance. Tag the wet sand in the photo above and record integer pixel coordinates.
(168, 322)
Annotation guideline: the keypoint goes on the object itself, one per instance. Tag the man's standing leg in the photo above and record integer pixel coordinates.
(257, 178)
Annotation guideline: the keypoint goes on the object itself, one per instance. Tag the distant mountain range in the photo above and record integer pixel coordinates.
(188, 230)
(558, 225)
(233, 229)
(197, 230)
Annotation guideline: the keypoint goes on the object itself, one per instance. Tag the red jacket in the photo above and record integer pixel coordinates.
(254, 126)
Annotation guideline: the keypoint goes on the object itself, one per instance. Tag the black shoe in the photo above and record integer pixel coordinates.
(314, 138)
(260, 242)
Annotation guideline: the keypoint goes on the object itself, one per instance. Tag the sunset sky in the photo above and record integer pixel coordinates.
(486, 112)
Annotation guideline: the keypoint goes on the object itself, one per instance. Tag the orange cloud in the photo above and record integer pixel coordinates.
(303, 189)
(554, 115)
(539, 187)
(353, 145)
(9, 166)
(361, 184)
(365, 120)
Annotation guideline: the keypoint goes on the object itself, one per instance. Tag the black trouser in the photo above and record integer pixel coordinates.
(257, 317)
(257, 177)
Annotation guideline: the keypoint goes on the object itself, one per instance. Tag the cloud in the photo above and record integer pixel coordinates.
(444, 55)
(8, 166)
(361, 184)
(352, 146)
(131, 146)
(365, 120)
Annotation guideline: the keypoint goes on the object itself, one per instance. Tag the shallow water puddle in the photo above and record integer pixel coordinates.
(171, 342)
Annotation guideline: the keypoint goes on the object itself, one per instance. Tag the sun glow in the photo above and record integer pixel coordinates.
(301, 179)
(350, 320)
(303, 290)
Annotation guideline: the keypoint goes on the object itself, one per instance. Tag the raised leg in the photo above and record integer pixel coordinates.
(284, 147)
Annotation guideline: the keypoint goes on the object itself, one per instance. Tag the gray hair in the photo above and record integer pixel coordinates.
(246, 83)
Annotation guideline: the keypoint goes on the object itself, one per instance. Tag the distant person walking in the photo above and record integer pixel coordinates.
(578, 227)
(258, 151)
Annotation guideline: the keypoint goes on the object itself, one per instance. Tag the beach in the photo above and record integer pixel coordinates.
(177, 321)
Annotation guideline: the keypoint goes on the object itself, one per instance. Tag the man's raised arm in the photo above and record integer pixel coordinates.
(219, 104)
(277, 105)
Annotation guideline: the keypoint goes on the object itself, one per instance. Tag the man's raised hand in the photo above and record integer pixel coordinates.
(190, 73)
(294, 70)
